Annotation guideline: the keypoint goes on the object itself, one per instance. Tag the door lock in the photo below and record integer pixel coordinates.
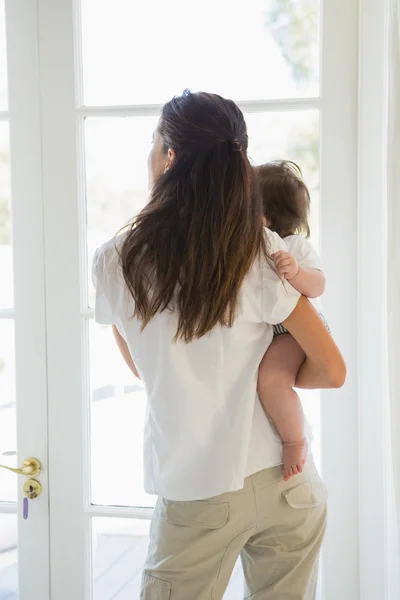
(32, 489)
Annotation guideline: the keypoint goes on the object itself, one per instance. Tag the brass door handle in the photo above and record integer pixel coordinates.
(30, 467)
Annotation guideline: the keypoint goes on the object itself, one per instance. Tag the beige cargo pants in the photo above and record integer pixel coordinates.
(276, 527)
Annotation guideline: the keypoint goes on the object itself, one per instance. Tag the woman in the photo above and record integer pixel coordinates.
(192, 297)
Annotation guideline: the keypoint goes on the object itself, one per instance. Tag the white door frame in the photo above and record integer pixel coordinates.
(67, 382)
(378, 573)
(338, 227)
(29, 289)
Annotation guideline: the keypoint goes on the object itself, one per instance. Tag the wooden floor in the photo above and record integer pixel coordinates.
(117, 571)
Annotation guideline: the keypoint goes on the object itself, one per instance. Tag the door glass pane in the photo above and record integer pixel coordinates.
(3, 58)
(116, 152)
(310, 400)
(119, 552)
(8, 437)
(292, 136)
(116, 171)
(8, 557)
(140, 53)
(117, 423)
(6, 269)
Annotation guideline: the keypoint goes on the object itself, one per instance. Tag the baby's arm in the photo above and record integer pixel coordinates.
(309, 282)
(306, 280)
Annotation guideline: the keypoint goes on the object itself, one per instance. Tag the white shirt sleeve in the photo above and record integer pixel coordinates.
(103, 311)
(279, 297)
(304, 252)
(113, 300)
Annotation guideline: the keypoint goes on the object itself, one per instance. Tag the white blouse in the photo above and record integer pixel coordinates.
(205, 428)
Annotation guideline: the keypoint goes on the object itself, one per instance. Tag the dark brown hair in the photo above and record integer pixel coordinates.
(190, 248)
(285, 197)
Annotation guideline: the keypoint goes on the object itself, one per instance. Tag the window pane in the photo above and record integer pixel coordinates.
(119, 553)
(6, 269)
(117, 424)
(3, 58)
(116, 164)
(116, 175)
(8, 557)
(116, 170)
(139, 53)
(310, 400)
(292, 136)
(8, 436)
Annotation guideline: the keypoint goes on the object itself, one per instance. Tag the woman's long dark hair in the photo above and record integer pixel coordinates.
(190, 248)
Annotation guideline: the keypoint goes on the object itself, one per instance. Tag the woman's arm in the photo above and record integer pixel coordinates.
(123, 348)
(324, 366)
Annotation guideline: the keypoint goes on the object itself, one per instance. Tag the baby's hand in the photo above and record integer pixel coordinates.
(285, 264)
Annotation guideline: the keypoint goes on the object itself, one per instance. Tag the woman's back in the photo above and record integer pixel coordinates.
(205, 430)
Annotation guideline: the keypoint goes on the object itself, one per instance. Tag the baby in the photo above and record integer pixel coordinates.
(286, 208)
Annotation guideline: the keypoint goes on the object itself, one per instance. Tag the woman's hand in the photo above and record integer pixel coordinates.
(324, 366)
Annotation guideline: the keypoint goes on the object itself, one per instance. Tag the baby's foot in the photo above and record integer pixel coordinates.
(294, 458)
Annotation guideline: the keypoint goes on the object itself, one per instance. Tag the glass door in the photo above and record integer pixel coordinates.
(129, 59)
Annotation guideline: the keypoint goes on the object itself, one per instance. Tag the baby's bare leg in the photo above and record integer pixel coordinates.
(276, 378)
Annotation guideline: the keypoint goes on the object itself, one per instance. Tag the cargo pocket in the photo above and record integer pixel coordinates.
(154, 588)
(307, 495)
(302, 520)
(203, 514)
